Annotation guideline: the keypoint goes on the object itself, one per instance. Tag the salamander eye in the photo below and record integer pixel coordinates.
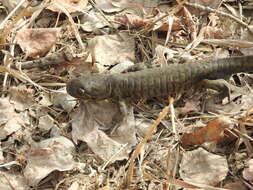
(81, 91)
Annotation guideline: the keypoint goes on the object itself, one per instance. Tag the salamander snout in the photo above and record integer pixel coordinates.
(74, 88)
(93, 86)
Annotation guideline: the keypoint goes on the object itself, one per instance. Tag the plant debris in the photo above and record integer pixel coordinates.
(198, 139)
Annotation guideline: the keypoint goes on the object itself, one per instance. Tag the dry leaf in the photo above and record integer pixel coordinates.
(212, 132)
(190, 106)
(37, 42)
(142, 126)
(10, 120)
(247, 36)
(131, 20)
(213, 32)
(74, 186)
(17, 181)
(93, 118)
(200, 166)
(111, 49)
(248, 172)
(46, 122)
(162, 25)
(94, 21)
(21, 97)
(123, 66)
(62, 99)
(110, 6)
(47, 156)
(190, 25)
(71, 6)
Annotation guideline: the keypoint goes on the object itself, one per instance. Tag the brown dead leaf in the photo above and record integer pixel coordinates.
(190, 25)
(70, 5)
(248, 172)
(190, 106)
(111, 50)
(12, 181)
(213, 32)
(47, 156)
(21, 97)
(163, 24)
(37, 42)
(110, 6)
(94, 21)
(62, 99)
(10, 120)
(247, 36)
(137, 21)
(105, 127)
(212, 132)
(202, 167)
(131, 20)
(46, 122)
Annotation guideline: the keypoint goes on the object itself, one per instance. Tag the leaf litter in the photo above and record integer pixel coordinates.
(51, 140)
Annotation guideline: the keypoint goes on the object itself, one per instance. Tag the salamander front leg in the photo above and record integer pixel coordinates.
(125, 109)
(221, 86)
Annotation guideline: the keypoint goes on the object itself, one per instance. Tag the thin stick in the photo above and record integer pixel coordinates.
(139, 147)
(208, 9)
(78, 37)
(12, 13)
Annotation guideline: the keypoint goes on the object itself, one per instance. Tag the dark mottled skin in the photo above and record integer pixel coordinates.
(157, 81)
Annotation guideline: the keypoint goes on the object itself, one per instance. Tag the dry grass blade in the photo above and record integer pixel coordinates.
(78, 37)
(28, 11)
(21, 76)
(181, 183)
(12, 13)
(172, 12)
(139, 147)
(13, 72)
(243, 130)
(170, 181)
(208, 9)
(229, 43)
(10, 184)
(102, 14)
(196, 41)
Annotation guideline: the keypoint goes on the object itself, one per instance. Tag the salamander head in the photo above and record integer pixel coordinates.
(90, 87)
